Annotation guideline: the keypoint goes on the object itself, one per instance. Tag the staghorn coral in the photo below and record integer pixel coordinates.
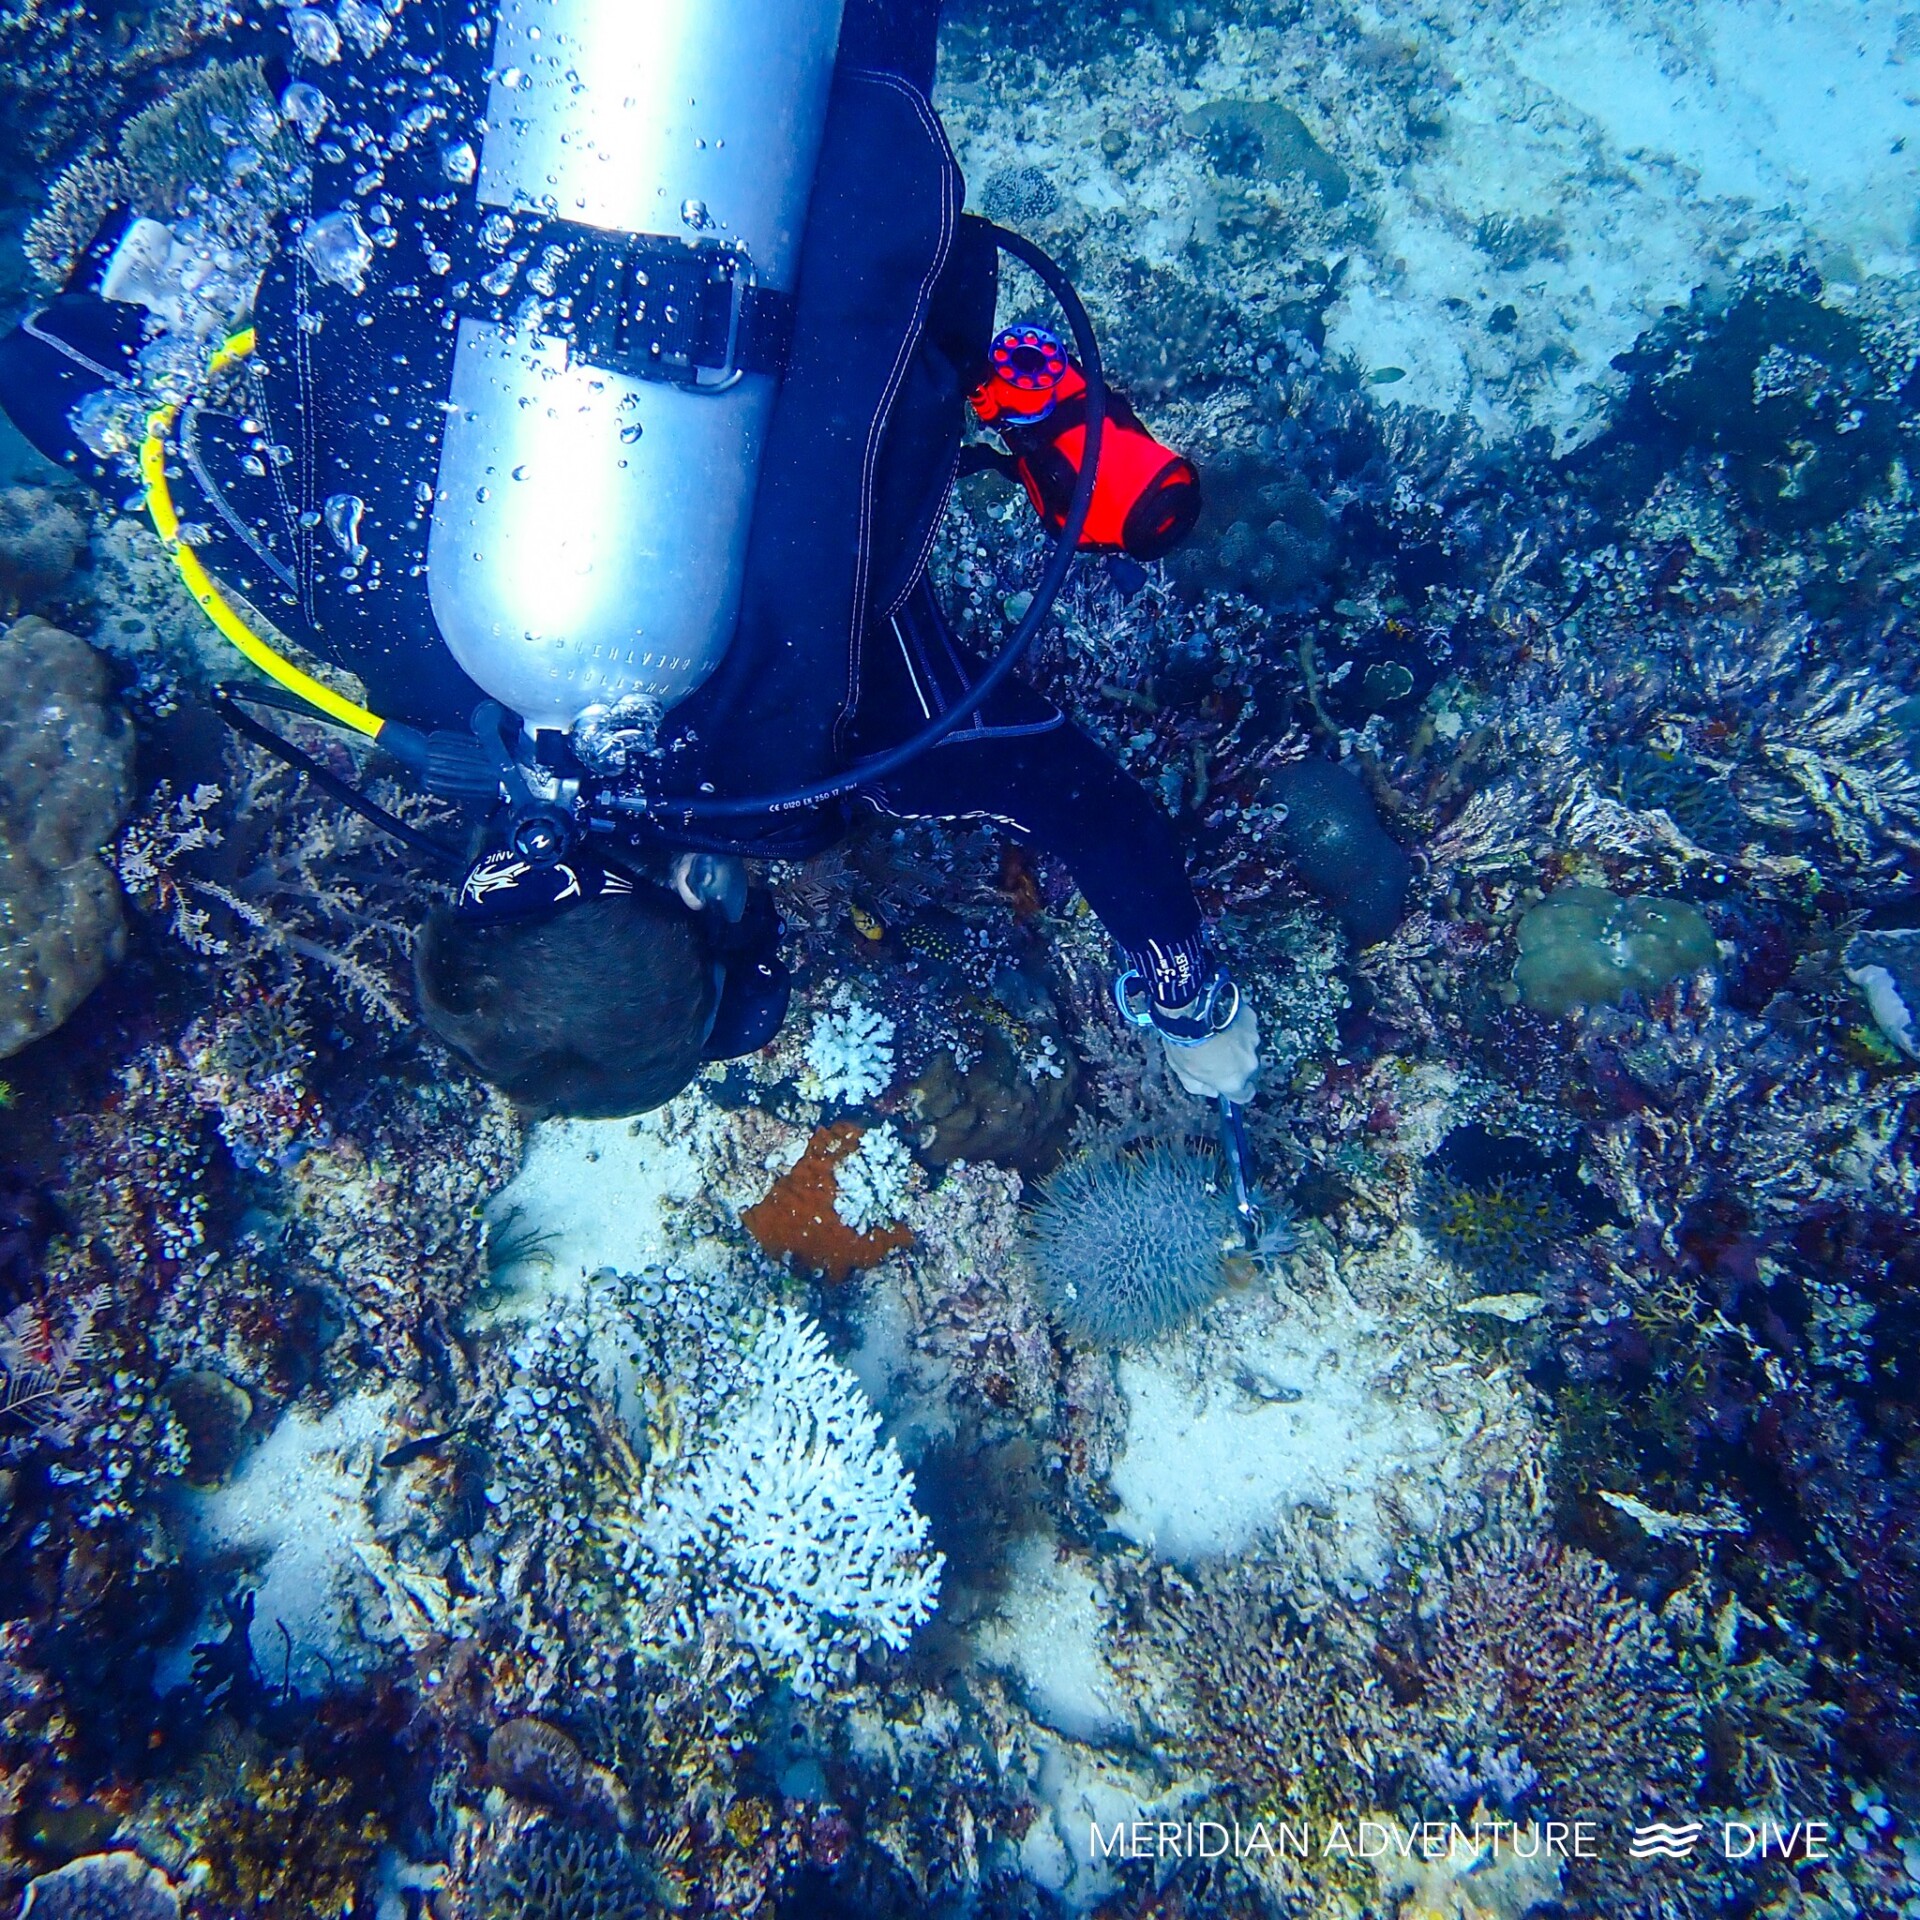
(1289, 1717)
(790, 1513)
(1130, 1245)
(65, 773)
(1534, 1645)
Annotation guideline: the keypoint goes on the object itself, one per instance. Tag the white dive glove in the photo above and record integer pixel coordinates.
(1225, 1063)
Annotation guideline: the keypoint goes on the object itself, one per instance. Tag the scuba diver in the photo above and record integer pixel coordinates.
(597, 413)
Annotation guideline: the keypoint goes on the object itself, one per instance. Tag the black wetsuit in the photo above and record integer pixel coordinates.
(841, 650)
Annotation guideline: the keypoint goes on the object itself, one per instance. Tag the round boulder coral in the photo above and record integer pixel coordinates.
(65, 770)
(1129, 1245)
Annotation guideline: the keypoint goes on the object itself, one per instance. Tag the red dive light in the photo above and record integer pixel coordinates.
(1146, 497)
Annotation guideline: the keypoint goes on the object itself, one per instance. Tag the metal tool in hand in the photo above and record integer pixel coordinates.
(1239, 1157)
(1130, 996)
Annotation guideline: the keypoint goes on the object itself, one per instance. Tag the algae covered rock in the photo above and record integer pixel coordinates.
(66, 768)
(1586, 947)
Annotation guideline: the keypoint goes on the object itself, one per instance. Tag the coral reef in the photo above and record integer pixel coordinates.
(65, 771)
(288, 1840)
(1535, 1645)
(1130, 1244)
(852, 1487)
(41, 541)
(1504, 1227)
(871, 1183)
(556, 1872)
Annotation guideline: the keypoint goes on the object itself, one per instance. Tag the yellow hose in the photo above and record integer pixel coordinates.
(201, 584)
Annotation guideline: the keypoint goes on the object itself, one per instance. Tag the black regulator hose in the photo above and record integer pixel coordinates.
(1066, 547)
(226, 699)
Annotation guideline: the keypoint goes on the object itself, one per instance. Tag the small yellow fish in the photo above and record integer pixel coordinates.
(869, 926)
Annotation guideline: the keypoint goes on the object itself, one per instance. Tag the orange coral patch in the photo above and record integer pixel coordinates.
(797, 1216)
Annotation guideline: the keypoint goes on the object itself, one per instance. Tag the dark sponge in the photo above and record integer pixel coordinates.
(1334, 838)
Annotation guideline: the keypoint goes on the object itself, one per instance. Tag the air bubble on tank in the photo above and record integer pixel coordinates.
(344, 512)
(315, 37)
(305, 108)
(338, 250)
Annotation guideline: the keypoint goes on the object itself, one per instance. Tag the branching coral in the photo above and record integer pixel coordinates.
(286, 882)
(801, 1216)
(392, 1218)
(1290, 1718)
(40, 1388)
(850, 1052)
(872, 1182)
(1535, 1645)
(559, 1872)
(793, 1515)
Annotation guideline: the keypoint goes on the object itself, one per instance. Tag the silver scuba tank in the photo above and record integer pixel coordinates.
(647, 164)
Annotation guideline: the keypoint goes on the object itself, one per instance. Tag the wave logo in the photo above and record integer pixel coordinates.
(1659, 1840)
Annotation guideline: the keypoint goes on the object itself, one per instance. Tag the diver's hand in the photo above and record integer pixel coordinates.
(1225, 1063)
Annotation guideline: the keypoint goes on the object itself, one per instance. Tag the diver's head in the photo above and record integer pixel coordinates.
(596, 1011)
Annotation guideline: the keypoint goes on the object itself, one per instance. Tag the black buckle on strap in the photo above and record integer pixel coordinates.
(641, 304)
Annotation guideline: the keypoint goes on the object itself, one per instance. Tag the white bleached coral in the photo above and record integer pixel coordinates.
(850, 1052)
(872, 1183)
(793, 1515)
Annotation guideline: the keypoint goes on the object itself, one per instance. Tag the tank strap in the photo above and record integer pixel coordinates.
(642, 304)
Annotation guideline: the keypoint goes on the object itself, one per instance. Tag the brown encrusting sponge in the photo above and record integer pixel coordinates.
(798, 1218)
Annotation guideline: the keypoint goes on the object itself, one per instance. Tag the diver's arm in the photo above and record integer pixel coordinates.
(1057, 789)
